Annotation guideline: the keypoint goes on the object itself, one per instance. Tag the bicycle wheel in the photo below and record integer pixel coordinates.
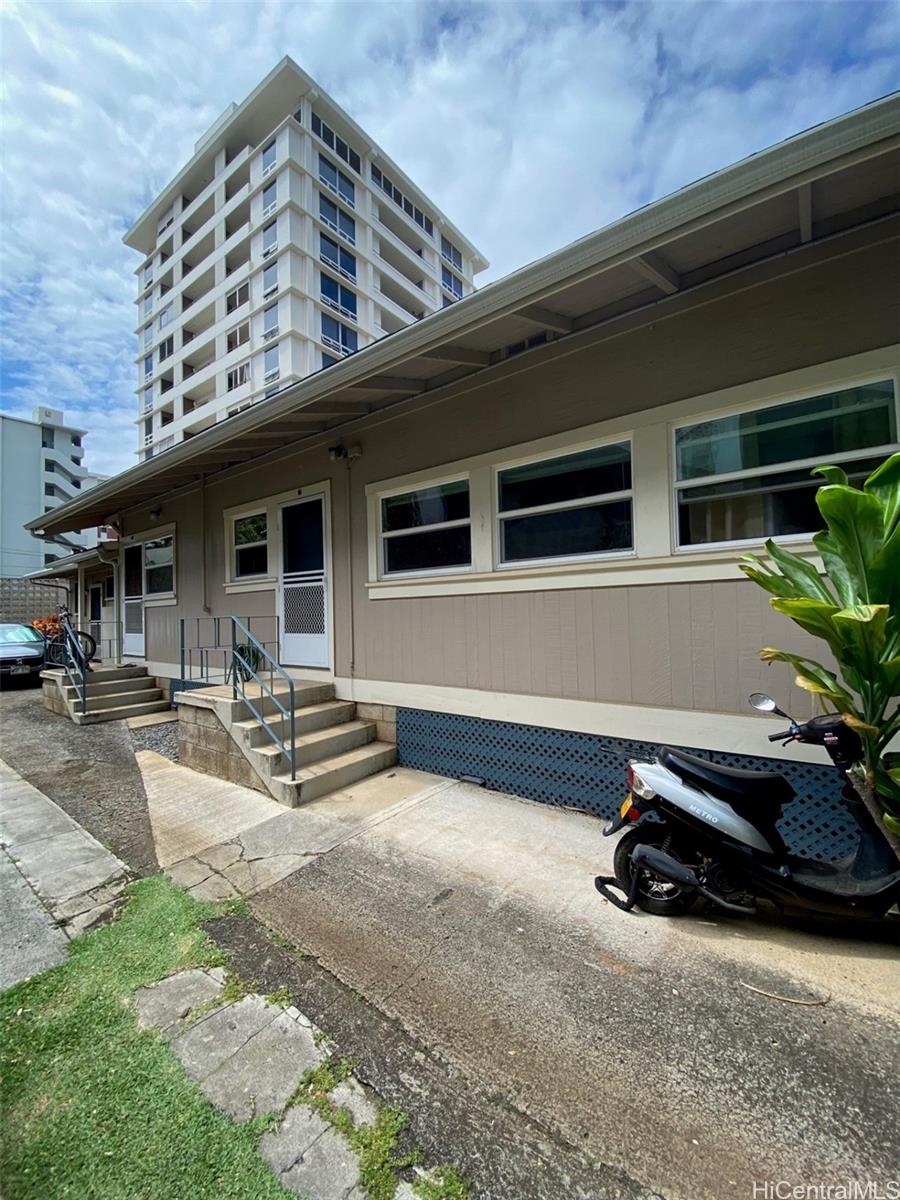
(56, 652)
(88, 645)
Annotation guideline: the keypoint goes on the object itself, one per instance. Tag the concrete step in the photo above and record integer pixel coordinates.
(121, 699)
(109, 687)
(118, 714)
(331, 774)
(306, 719)
(111, 674)
(313, 747)
(305, 694)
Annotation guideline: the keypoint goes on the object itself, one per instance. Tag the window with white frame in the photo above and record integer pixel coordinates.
(159, 566)
(269, 198)
(239, 296)
(746, 476)
(238, 376)
(452, 282)
(338, 336)
(270, 320)
(566, 506)
(450, 252)
(270, 237)
(250, 546)
(337, 296)
(148, 398)
(165, 316)
(337, 182)
(238, 336)
(426, 529)
(336, 256)
(268, 157)
(148, 365)
(166, 348)
(336, 219)
(270, 279)
(271, 363)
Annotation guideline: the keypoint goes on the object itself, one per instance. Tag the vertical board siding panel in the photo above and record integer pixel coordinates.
(584, 636)
(427, 644)
(569, 648)
(538, 646)
(680, 657)
(725, 644)
(495, 649)
(517, 635)
(702, 652)
(611, 649)
(455, 642)
(552, 644)
(483, 626)
(470, 617)
(648, 610)
(751, 668)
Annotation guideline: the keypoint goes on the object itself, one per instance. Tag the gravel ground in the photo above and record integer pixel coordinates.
(161, 738)
(89, 771)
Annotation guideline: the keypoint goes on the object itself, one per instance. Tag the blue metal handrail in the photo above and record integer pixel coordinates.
(74, 660)
(242, 670)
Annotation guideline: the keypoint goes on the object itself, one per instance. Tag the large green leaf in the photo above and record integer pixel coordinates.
(754, 568)
(862, 630)
(815, 616)
(884, 482)
(801, 573)
(835, 475)
(813, 677)
(855, 523)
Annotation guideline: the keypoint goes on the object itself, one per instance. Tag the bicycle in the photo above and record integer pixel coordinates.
(56, 645)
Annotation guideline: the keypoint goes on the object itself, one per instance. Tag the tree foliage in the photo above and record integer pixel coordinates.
(855, 609)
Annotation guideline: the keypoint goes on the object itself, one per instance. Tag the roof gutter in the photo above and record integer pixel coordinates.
(845, 140)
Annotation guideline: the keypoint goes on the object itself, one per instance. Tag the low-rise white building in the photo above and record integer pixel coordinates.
(287, 242)
(40, 468)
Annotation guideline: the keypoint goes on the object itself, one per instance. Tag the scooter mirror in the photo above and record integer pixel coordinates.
(764, 703)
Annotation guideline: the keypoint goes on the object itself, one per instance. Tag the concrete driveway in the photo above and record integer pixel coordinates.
(471, 919)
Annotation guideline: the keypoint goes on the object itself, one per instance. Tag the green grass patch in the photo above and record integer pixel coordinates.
(376, 1145)
(96, 1108)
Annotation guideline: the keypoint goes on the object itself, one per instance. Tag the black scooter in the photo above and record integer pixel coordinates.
(697, 829)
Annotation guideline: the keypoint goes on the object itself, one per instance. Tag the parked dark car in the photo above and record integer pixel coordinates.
(21, 651)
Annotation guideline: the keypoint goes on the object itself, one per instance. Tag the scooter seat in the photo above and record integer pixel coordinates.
(764, 788)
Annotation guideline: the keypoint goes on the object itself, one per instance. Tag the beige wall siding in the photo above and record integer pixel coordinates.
(689, 645)
(678, 645)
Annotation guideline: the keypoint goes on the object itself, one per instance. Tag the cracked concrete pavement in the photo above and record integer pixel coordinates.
(78, 882)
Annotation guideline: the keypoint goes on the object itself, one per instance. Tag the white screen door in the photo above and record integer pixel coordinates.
(303, 608)
(133, 601)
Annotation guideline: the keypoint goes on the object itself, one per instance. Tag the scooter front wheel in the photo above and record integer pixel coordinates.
(654, 895)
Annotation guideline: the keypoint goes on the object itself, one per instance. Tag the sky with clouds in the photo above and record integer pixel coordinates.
(530, 125)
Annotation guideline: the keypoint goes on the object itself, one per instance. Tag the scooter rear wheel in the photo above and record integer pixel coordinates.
(655, 895)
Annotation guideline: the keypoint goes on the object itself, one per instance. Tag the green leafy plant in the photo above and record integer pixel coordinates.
(855, 609)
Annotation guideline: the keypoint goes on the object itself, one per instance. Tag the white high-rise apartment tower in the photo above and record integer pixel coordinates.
(289, 240)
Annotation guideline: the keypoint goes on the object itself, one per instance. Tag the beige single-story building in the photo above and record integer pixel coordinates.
(518, 521)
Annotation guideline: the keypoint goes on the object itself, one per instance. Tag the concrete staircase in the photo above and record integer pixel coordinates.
(113, 693)
(333, 747)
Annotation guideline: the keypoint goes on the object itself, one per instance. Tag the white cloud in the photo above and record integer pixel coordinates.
(529, 124)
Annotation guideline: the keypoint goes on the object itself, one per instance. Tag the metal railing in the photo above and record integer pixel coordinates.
(251, 661)
(205, 646)
(68, 652)
(107, 633)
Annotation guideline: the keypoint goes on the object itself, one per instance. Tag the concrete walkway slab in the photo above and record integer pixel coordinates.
(190, 811)
(59, 858)
(148, 719)
(30, 939)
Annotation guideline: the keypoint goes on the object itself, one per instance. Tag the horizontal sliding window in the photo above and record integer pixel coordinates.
(747, 476)
(251, 548)
(337, 296)
(573, 505)
(428, 529)
(337, 220)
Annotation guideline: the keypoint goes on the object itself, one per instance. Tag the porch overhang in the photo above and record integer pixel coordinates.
(71, 563)
(828, 191)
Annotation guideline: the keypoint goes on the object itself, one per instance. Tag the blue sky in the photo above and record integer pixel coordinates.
(529, 124)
